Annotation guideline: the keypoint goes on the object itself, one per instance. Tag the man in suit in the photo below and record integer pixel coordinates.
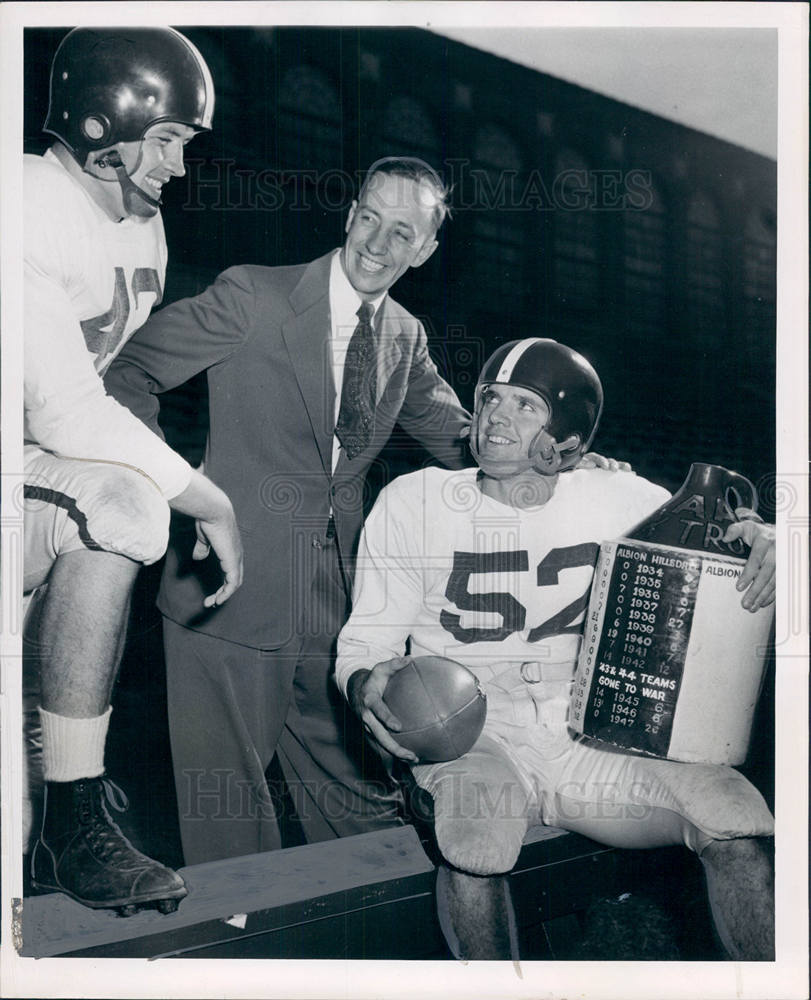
(309, 367)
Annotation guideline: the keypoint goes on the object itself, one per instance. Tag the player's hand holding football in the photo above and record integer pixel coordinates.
(758, 576)
(365, 694)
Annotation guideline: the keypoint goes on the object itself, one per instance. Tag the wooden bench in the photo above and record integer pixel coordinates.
(364, 897)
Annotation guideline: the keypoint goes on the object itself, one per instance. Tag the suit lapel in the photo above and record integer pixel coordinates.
(306, 336)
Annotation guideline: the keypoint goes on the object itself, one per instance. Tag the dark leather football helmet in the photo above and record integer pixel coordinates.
(568, 385)
(109, 85)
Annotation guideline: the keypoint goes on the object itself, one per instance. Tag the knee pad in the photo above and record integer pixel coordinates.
(479, 823)
(125, 513)
(480, 848)
(722, 803)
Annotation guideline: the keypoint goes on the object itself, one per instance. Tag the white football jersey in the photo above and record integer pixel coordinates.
(113, 273)
(90, 283)
(446, 570)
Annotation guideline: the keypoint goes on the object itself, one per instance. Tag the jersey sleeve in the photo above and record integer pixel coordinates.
(67, 410)
(388, 587)
(643, 498)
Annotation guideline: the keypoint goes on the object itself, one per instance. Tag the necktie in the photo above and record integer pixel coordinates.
(356, 417)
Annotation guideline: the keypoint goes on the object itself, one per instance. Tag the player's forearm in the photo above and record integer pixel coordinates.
(361, 647)
(100, 430)
(384, 571)
(371, 636)
(202, 500)
(353, 660)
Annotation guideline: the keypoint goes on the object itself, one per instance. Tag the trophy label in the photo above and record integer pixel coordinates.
(670, 664)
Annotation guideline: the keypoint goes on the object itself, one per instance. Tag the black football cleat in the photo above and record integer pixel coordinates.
(82, 852)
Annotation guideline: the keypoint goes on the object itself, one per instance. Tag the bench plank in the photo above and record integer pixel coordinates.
(53, 924)
(369, 896)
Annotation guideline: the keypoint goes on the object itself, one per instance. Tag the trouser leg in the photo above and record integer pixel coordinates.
(639, 803)
(338, 783)
(481, 808)
(226, 705)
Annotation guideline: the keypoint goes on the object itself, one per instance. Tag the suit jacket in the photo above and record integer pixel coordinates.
(262, 335)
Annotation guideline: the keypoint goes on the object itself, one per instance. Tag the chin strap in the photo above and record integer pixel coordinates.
(130, 192)
(549, 456)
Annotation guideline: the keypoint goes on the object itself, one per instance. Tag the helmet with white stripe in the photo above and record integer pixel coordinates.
(109, 85)
(568, 385)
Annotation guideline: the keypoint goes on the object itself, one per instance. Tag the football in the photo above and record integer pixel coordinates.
(441, 707)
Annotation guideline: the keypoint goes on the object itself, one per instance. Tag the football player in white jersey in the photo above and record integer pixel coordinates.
(98, 485)
(492, 567)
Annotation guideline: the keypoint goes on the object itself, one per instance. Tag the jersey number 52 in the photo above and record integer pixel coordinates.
(513, 613)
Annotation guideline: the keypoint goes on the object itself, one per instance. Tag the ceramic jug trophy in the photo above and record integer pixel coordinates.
(671, 664)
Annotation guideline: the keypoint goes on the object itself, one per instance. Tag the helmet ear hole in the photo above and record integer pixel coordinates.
(95, 129)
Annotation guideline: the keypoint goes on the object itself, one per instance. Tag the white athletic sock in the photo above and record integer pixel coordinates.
(73, 748)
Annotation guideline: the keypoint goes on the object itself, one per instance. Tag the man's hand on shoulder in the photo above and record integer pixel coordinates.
(758, 576)
(365, 694)
(591, 460)
(216, 529)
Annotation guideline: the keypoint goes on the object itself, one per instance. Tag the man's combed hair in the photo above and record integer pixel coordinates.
(414, 169)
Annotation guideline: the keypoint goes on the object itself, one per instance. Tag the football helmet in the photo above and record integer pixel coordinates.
(109, 85)
(568, 385)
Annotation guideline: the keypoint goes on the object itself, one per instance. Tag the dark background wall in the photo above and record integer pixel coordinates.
(646, 245)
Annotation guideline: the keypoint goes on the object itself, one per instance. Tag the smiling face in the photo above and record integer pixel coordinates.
(510, 418)
(149, 163)
(391, 228)
(160, 157)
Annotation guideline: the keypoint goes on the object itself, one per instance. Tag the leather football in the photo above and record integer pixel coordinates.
(441, 707)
